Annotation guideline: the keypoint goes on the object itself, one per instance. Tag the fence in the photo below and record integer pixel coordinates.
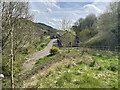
(115, 48)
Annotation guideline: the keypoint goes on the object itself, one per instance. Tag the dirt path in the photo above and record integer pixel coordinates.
(31, 60)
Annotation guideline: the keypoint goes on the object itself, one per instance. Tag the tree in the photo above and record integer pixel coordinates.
(15, 32)
(66, 24)
(68, 37)
(85, 28)
(108, 23)
(118, 35)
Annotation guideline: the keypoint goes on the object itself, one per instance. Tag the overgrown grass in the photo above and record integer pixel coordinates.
(92, 70)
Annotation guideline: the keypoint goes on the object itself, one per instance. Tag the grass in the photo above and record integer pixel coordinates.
(45, 59)
(42, 44)
(38, 45)
(92, 70)
(17, 69)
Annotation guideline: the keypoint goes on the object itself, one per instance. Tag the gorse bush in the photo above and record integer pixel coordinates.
(54, 50)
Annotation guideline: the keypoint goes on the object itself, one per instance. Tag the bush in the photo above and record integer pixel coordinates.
(92, 64)
(113, 68)
(23, 50)
(43, 45)
(54, 50)
(100, 68)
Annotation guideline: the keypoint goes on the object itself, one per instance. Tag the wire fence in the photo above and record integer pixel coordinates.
(109, 48)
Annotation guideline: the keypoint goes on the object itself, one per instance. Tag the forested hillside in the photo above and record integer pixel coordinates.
(46, 27)
(99, 31)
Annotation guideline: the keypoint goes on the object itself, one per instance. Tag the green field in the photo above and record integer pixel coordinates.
(94, 69)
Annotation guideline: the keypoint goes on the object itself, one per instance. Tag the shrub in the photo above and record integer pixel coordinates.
(92, 64)
(67, 77)
(39, 47)
(43, 44)
(23, 50)
(54, 50)
(100, 68)
(113, 68)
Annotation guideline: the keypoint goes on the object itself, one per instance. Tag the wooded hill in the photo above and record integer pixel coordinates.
(99, 31)
(46, 27)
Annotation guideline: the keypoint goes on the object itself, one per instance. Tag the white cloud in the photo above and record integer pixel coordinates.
(51, 23)
(52, 5)
(56, 20)
(56, 6)
(57, 14)
(49, 10)
(72, 0)
(90, 7)
(73, 21)
(36, 11)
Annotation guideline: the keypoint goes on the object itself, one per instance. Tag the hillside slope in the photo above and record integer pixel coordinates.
(46, 27)
(95, 69)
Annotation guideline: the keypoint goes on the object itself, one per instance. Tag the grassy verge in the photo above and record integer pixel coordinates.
(45, 59)
(42, 44)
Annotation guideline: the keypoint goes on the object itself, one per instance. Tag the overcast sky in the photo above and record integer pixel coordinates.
(52, 13)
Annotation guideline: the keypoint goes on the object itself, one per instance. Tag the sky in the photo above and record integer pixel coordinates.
(52, 13)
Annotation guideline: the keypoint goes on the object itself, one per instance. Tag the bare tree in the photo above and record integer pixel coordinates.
(66, 24)
(14, 28)
(68, 37)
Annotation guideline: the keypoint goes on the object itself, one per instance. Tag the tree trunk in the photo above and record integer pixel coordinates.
(12, 59)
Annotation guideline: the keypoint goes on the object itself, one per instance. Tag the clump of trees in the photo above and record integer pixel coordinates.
(85, 28)
(100, 31)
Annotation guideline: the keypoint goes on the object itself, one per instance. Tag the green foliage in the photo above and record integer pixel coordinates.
(101, 31)
(86, 23)
(113, 68)
(92, 64)
(42, 60)
(67, 77)
(41, 46)
(101, 68)
(6, 70)
(23, 50)
(85, 28)
(86, 34)
(54, 50)
(67, 39)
